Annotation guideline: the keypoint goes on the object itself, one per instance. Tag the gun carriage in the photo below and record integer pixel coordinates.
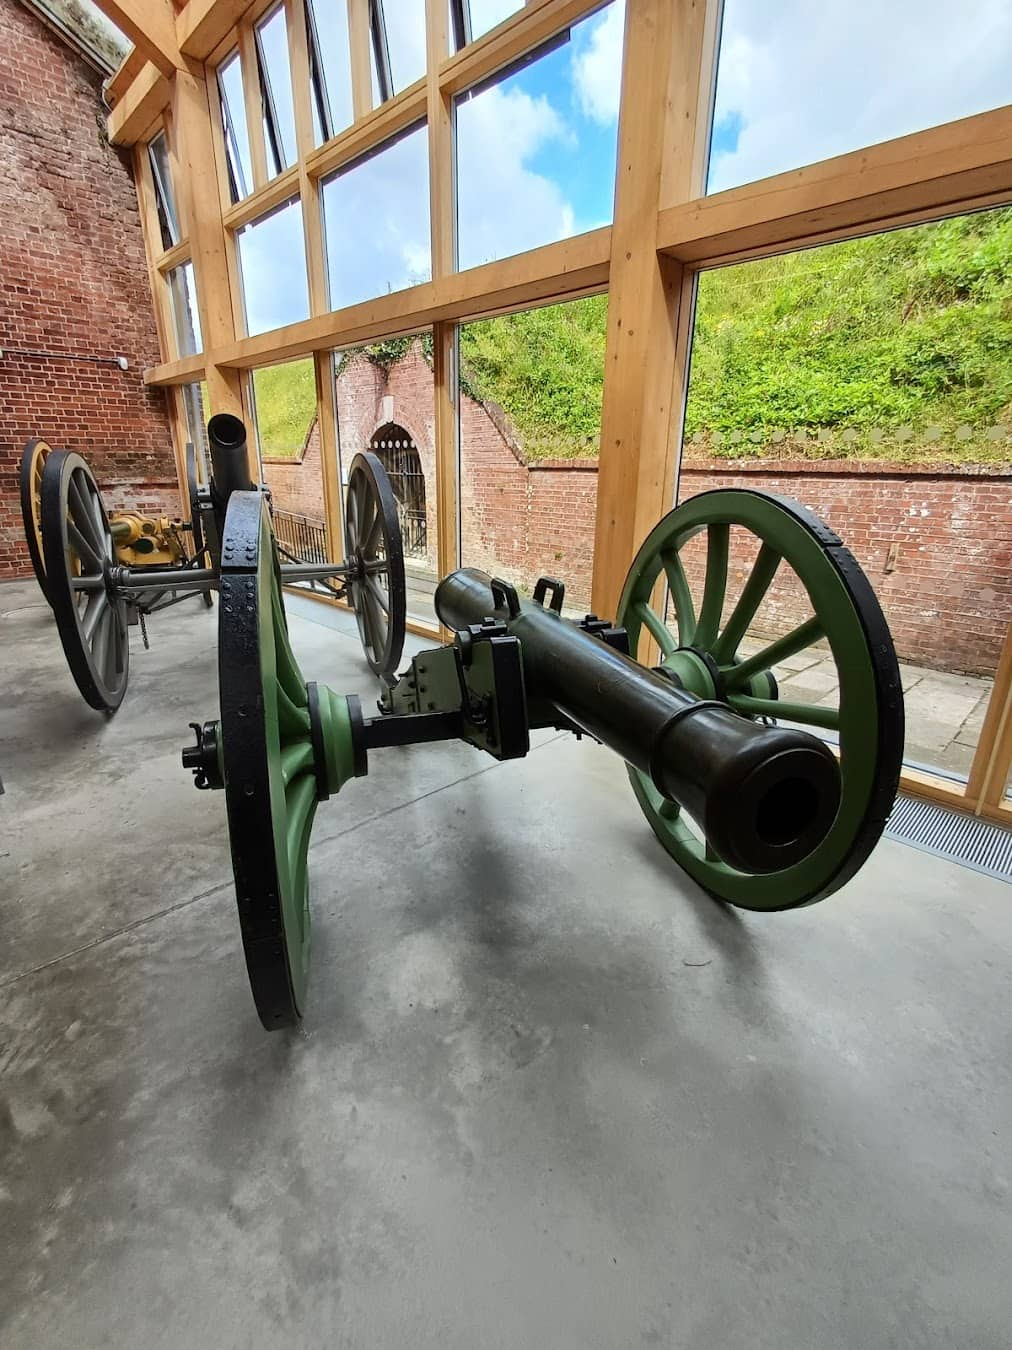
(768, 804)
(103, 571)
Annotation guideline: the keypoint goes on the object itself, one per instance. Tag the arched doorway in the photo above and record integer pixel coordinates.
(398, 454)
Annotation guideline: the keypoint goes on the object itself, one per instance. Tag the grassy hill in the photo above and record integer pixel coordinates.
(898, 346)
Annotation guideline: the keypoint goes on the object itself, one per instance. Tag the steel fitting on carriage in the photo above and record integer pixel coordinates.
(204, 758)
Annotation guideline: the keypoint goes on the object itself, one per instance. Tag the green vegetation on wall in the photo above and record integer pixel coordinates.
(898, 346)
(285, 405)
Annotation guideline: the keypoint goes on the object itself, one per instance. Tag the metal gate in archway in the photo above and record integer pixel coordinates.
(399, 456)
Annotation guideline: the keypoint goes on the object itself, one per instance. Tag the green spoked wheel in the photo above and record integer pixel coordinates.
(91, 617)
(375, 556)
(714, 620)
(33, 461)
(282, 745)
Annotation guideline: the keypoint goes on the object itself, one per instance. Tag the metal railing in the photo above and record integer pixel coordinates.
(301, 536)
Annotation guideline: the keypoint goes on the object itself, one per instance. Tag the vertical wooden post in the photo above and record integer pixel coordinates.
(442, 227)
(359, 44)
(666, 63)
(985, 787)
(208, 242)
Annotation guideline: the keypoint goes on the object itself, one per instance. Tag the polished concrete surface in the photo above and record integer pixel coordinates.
(547, 1094)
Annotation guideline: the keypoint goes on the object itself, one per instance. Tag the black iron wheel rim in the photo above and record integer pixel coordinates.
(33, 460)
(91, 617)
(376, 585)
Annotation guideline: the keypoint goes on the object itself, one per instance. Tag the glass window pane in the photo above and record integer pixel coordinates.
(385, 398)
(485, 14)
(531, 386)
(798, 82)
(329, 30)
(272, 263)
(168, 221)
(279, 110)
(870, 381)
(376, 236)
(233, 116)
(405, 34)
(288, 437)
(554, 174)
(195, 408)
(183, 290)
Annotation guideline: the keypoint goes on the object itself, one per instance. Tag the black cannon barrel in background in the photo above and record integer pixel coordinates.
(226, 437)
(765, 797)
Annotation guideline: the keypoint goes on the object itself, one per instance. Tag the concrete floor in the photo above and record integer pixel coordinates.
(547, 1094)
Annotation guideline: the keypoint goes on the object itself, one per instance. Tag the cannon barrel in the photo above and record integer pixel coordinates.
(765, 797)
(226, 437)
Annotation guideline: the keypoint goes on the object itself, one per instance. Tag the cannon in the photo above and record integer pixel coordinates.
(103, 571)
(762, 812)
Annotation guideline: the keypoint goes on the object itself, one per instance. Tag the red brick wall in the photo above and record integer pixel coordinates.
(73, 278)
(948, 595)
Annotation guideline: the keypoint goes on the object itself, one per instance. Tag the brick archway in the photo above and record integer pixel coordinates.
(396, 449)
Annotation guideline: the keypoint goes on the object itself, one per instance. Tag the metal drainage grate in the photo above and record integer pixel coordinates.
(976, 843)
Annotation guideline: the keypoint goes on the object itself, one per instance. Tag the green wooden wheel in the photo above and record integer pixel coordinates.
(282, 745)
(867, 722)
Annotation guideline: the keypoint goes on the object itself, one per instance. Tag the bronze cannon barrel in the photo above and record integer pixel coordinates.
(765, 797)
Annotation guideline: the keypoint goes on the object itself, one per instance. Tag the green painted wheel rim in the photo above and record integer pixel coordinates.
(269, 767)
(869, 721)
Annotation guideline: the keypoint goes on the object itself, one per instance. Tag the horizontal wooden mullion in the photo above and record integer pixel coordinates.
(397, 114)
(560, 271)
(265, 199)
(528, 28)
(960, 166)
(140, 106)
(173, 257)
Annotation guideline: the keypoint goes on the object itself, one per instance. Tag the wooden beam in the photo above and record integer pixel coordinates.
(397, 114)
(531, 26)
(957, 167)
(649, 304)
(192, 113)
(564, 270)
(990, 769)
(204, 24)
(123, 76)
(151, 27)
(253, 104)
(145, 100)
(359, 44)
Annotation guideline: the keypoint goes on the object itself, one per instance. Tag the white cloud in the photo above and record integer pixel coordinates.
(597, 71)
(811, 81)
(504, 206)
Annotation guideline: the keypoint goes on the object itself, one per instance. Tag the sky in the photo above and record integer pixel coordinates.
(798, 81)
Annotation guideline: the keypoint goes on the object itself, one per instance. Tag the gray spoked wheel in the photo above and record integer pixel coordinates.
(91, 617)
(376, 584)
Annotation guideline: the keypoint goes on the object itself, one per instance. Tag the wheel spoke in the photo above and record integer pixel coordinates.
(100, 642)
(657, 629)
(377, 627)
(97, 604)
(681, 597)
(295, 758)
(300, 802)
(752, 595)
(83, 548)
(372, 538)
(718, 537)
(782, 650)
(808, 714)
(377, 592)
(81, 515)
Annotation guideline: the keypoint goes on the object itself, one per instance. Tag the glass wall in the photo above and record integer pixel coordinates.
(469, 19)
(553, 175)
(797, 82)
(236, 132)
(288, 440)
(165, 197)
(385, 397)
(531, 386)
(330, 67)
(272, 265)
(276, 92)
(186, 317)
(376, 221)
(870, 381)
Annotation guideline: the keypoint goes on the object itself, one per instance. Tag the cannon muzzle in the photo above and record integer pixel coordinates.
(226, 437)
(764, 796)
